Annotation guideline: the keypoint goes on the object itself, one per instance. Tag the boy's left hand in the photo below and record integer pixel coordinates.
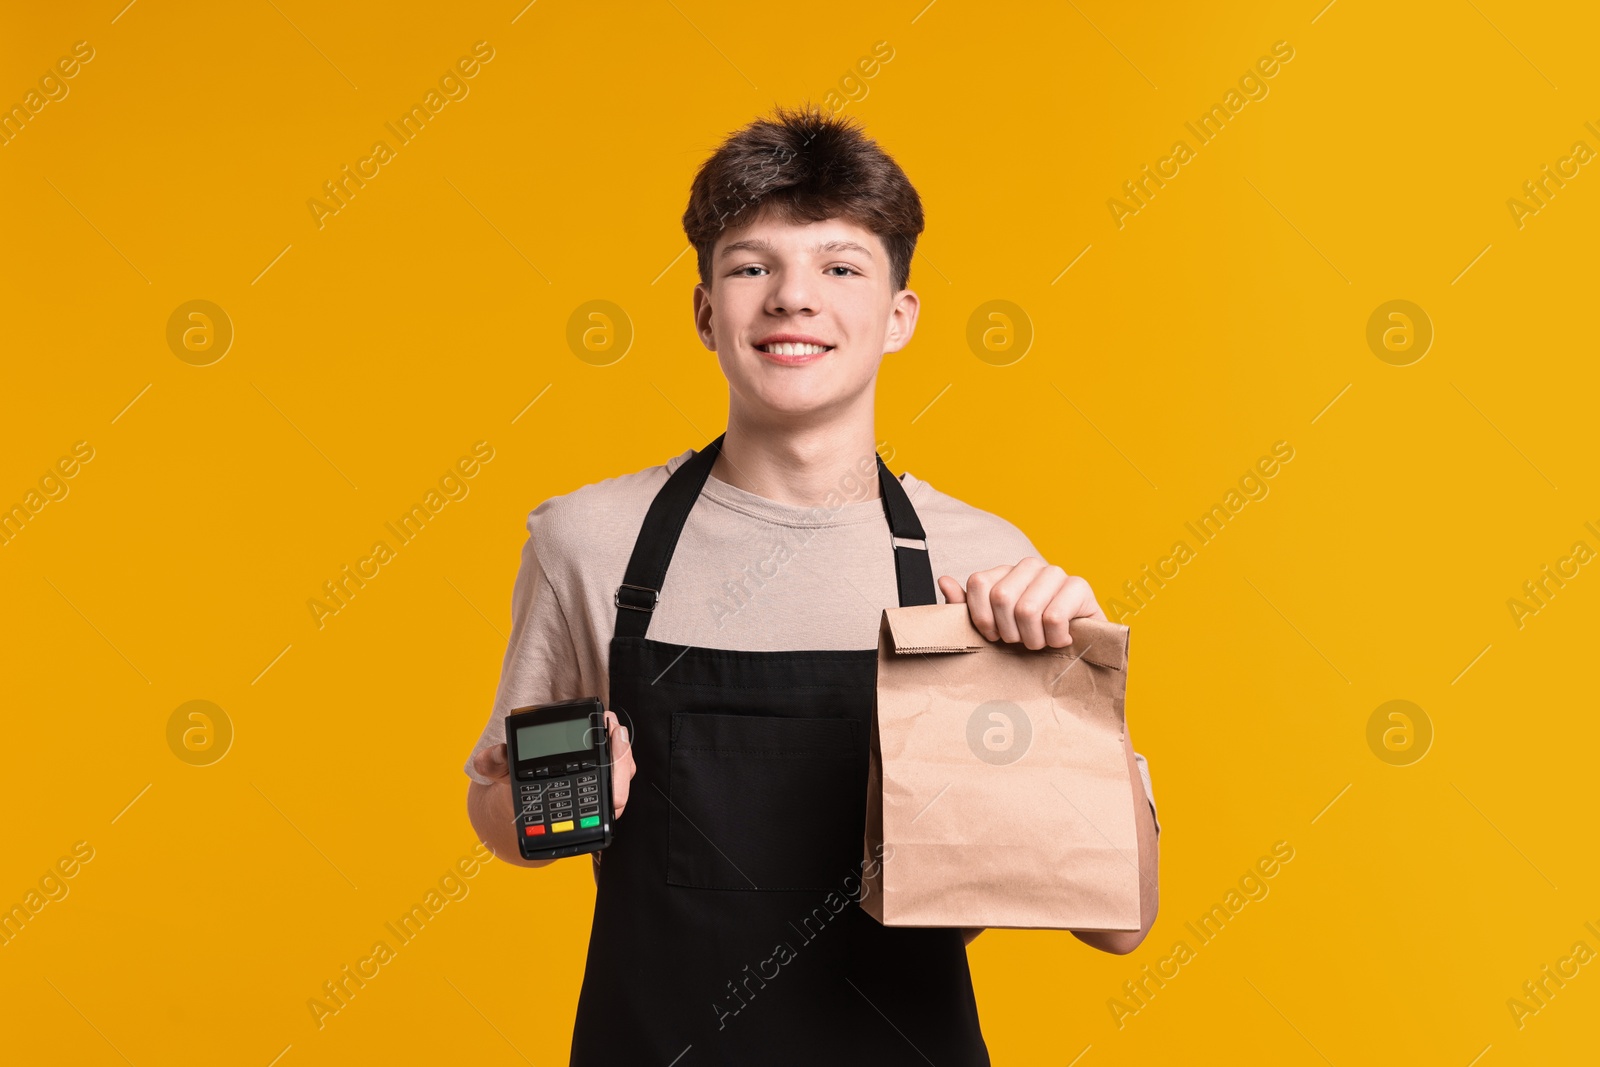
(1031, 602)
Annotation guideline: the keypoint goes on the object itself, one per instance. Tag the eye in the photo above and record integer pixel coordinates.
(841, 266)
(740, 273)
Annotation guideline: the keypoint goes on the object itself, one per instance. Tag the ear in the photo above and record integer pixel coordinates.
(902, 321)
(702, 316)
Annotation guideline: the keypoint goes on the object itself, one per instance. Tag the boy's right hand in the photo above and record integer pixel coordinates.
(491, 763)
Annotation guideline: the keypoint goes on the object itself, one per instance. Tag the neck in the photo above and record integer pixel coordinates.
(809, 465)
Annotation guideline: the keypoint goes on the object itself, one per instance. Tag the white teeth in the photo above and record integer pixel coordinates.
(787, 349)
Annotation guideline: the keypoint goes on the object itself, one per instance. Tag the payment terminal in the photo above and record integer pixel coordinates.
(559, 755)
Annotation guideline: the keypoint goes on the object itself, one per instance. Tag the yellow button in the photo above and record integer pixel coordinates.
(560, 826)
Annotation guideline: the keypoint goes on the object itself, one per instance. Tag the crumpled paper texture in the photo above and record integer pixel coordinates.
(998, 790)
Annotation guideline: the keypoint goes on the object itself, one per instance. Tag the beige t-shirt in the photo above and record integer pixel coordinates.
(748, 573)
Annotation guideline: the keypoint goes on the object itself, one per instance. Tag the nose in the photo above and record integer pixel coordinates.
(792, 292)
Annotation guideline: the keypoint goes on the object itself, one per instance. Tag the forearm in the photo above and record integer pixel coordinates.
(489, 809)
(1125, 941)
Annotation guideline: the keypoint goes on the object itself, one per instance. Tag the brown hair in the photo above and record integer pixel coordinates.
(805, 165)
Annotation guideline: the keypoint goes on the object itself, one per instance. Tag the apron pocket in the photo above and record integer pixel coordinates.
(764, 802)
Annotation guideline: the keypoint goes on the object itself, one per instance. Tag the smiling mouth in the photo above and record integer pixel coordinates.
(792, 349)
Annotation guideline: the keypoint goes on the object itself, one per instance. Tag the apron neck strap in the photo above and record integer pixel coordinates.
(641, 586)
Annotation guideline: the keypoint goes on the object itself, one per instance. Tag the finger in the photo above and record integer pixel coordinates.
(1040, 596)
(1091, 607)
(1068, 604)
(619, 787)
(621, 736)
(1005, 593)
(1074, 601)
(953, 593)
(491, 762)
(1057, 619)
(977, 598)
(619, 791)
(622, 765)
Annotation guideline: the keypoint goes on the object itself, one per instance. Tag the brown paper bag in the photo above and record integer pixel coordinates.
(998, 792)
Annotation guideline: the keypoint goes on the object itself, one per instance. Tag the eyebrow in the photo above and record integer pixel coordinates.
(761, 244)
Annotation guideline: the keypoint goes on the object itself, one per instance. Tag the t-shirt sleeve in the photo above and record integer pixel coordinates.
(541, 659)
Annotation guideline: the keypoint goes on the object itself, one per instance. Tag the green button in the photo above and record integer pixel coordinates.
(589, 820)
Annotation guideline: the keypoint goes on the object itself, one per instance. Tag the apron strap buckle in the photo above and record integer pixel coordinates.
(655, 596)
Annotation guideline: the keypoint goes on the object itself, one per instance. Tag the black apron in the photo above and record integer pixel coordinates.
(727, 926)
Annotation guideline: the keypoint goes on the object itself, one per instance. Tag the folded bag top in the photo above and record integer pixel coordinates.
(927, 628)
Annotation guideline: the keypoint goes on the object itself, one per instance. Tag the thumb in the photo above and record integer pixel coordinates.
(954, 592)
(490, 762)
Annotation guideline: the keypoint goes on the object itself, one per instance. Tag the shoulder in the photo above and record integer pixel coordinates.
(962, 535)
(570, 519)
(585, 522)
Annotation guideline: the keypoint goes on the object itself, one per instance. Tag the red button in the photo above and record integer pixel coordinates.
(532, 831)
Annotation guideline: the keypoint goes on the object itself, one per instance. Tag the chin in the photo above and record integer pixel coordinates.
(791, 407)
(789, 403)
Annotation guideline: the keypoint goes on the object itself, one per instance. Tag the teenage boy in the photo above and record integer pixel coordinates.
(727, 925)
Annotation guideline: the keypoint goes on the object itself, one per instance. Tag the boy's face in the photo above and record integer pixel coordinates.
(828, 282)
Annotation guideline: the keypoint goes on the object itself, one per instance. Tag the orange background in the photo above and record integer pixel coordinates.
(370, 353)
